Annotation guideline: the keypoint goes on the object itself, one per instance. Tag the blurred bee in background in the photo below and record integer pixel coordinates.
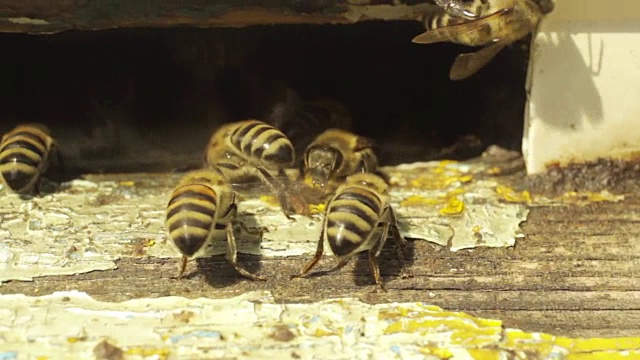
(200, 204)
(250, 149)
(499, 23)
(26, 153)
(336, 154)
(352, 220)
(303, 120)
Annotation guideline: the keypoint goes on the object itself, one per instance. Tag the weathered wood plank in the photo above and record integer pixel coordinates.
(55, 16)
(575, 273)
(599, 323)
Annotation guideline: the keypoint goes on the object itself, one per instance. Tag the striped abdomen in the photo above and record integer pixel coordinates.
(353, 215)
(23, 157)
(264, 144)
(190, 216)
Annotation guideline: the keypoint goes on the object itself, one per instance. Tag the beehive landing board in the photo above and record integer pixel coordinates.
(574, 273)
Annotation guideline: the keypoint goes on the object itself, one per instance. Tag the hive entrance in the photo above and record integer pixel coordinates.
(146, 99)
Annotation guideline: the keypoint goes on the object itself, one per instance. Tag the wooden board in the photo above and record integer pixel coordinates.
(50, 17)
(576, 273)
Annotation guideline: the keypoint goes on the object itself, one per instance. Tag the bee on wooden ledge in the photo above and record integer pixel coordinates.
(247, 150)
(336, 154)
(26, 153)
(351, 224)
(201, 204)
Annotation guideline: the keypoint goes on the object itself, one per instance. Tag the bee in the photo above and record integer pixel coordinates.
(351, 221)
(200, 204)
(26, 152)
(336, 154)
(303, 120)
(499, 23)
(253, 149)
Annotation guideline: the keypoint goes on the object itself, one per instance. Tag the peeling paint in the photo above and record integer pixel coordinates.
(74, 325)
(27, 21)
(90, 223)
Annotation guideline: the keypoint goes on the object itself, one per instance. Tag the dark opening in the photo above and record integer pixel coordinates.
(148, 99)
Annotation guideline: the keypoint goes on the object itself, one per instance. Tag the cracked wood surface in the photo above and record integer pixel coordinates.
(574, 274)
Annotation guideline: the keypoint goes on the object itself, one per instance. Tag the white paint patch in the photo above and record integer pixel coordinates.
(27, 21)
(250, 326)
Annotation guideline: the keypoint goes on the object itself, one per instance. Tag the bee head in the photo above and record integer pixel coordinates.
(321, 163)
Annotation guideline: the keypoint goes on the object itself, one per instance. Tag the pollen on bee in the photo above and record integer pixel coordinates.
(317, 208)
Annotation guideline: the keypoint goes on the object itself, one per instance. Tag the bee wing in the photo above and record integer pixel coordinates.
(468, 64)
(455, 8)
(446, 32)
(298, 194)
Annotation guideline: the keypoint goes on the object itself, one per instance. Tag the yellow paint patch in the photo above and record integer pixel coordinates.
(605, 355)
(417, 200)
(441, 177)
(323, 332)
(485, 354)
(512, 196)
(73, 339)
(599, 344)
(454, 207)
(442, 353)
(127, 183)
(161, 354)
(462, 329)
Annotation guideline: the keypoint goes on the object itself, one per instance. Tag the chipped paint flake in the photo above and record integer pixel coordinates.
(253, 325)
(446, 203)
(27, 21)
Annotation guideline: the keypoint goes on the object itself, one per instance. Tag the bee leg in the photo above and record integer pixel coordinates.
(318, 254)
(278, 188)
(183, 266)
(57, 167)
(375, 268)
(401, 242)
(340, 264)
(232, 254)
(257, 232)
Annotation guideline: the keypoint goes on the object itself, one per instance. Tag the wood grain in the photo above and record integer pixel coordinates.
(576, 273)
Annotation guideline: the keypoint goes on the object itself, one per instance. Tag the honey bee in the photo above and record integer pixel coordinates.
(499, 23)
(253, 149)
(336, 154)
(200, 204)
(351, 222)
(27, 152)
(303, 120)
